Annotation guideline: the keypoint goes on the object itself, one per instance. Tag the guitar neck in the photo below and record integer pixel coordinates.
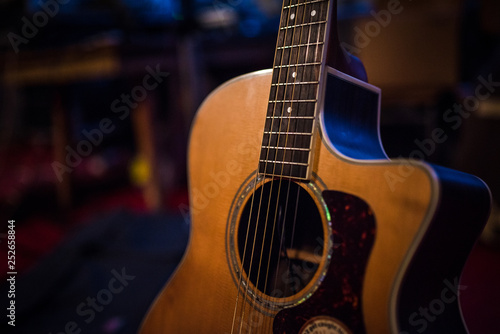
(296, 84)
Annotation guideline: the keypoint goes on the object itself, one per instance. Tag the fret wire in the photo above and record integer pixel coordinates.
(299, 177)
(303, 25)
(282, 58)
(286, 53)
(291, 117)
(287, 133)
(285, 163)
(293, 101)
(287, 148)
(283, 55)
(304, 64)
(299, 45)
(303, 4)
(295, 83)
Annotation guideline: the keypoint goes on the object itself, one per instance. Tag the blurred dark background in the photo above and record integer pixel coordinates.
(96, 102)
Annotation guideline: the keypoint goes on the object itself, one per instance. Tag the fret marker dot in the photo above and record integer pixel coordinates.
(292, 16)
(294, 74)
(313, 13)
(289, 110)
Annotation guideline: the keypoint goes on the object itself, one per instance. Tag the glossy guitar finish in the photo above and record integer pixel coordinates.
(375, 240)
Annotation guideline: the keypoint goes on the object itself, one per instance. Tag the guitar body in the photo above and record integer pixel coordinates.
(299, 221)
(400, 225)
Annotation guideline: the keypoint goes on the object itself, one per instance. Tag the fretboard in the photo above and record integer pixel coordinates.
(288, 133)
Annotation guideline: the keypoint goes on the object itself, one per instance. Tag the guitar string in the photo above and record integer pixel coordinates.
(288, 191)
(302, 77)
(240, 279)
(294, 139)
(291, 168)
(278, 137)
(308, 44)
(242, 312)
(289, 114)
(319, 56)
(295, 78)
(303, 7)
(316, 77)
(281, 173)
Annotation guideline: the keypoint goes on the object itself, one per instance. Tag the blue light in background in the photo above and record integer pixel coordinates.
(153, 11)
(254, 18)
(250, 27)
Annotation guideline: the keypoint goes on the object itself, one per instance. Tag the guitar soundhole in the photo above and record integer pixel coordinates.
(280, 238)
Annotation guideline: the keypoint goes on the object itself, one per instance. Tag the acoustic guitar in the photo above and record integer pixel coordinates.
(300, 222)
